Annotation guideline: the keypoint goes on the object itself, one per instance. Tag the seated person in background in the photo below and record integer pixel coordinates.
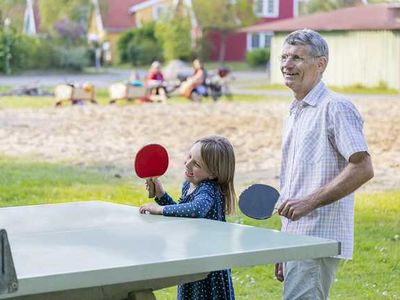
(195, 86)
(155, 83)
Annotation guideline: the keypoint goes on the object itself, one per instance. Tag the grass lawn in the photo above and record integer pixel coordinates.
(374, 272)
(103, 100)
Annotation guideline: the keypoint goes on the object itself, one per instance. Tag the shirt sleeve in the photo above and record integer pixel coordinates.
(347, 129)
(197, 208)
(166, 199)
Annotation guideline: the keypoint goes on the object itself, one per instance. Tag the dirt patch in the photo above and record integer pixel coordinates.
(109, 136)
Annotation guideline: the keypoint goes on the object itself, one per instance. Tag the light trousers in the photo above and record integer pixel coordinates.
(309, 279)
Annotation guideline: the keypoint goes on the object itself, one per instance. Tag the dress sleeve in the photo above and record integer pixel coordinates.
(201, 204)
(347, 129)
(166, 199)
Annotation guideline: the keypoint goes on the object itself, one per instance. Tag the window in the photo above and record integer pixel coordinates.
(158, 11)
(259, 40)
(266, 8)
(267, 40)
(258, 7)
(255, 41)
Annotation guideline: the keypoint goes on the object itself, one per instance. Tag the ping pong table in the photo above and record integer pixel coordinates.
(100, 250)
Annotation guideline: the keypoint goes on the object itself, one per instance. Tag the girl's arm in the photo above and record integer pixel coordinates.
(165, 200)
(198, 208)
(162, 198)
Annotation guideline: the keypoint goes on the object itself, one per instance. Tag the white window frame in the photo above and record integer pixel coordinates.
(295, 8)
(159, 10)
(261, 36)
(266, 13)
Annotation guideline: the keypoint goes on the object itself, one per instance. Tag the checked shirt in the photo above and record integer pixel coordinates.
(320, 134)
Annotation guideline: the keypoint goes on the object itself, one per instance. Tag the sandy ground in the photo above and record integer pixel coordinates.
(108, 137)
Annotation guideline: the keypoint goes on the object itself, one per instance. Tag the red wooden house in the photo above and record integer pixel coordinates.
(239, 43)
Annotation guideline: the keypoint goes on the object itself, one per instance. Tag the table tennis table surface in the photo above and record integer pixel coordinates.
(77, 245)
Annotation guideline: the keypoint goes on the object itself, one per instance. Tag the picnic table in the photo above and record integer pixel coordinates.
(100, 250)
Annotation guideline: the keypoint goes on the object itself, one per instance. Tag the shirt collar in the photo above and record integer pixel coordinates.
(312, 98)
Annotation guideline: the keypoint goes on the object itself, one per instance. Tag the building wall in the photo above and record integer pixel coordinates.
(148, 14)
(288, 9)
(368, 58)
(235, 46)
(113, 38)
(93, 29)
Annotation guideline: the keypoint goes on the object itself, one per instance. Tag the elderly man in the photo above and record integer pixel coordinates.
(324, 160)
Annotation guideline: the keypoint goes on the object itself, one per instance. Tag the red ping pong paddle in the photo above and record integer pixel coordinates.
(151, 161)
(258, 201)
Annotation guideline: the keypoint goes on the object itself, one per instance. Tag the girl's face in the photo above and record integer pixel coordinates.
(195, 169)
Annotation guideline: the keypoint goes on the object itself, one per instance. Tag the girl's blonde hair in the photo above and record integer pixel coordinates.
(219, 158)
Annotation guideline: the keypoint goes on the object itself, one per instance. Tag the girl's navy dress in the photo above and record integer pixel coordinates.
(206, 201)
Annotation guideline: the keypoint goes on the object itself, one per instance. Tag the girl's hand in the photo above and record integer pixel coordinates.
(151, 208)
(158, 187)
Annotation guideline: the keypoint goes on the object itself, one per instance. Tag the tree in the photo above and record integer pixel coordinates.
(12, 10)
(223, 17)
(139, 46)
(173, 31)
(52, 12)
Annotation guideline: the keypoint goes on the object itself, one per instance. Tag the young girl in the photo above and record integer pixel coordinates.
(207, 192)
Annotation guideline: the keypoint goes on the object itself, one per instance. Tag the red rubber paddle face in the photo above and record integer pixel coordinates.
(151, 161)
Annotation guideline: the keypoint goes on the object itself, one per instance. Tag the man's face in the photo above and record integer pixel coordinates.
(301, 71)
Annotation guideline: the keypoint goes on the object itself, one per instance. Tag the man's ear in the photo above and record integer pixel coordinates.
(322, 63)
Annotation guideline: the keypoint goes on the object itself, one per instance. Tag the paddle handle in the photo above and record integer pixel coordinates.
(152, 188)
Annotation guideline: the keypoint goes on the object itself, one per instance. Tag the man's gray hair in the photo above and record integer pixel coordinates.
(309, 37)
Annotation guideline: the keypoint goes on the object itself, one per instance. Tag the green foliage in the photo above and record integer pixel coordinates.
(7, 46)
(139, 46)
(258, 57)
(202, 49)
(52, 12)
(174, 34)
(72, 59)
(223, 17)
(12, 10)
(21, 52)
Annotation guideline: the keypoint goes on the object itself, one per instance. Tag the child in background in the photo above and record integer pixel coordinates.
(155, 83)
(208, 192)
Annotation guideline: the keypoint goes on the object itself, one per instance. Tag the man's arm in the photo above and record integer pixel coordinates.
(355, 174)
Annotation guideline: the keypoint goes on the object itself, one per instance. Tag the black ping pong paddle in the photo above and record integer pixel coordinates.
(258, 201)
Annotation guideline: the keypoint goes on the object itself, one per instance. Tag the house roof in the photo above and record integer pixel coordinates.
(140, 4)
(365, 17)
(115, 14)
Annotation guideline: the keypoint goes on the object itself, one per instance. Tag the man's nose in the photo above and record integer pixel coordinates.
(287, 63)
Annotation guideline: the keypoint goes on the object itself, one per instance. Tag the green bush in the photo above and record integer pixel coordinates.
(139, 46)
(174, 34)
(11, 52)
(72, 59)
(22, 52)
(39, 53)
(258, 57)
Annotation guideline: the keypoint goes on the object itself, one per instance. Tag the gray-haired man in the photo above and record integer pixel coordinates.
(324, 160)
